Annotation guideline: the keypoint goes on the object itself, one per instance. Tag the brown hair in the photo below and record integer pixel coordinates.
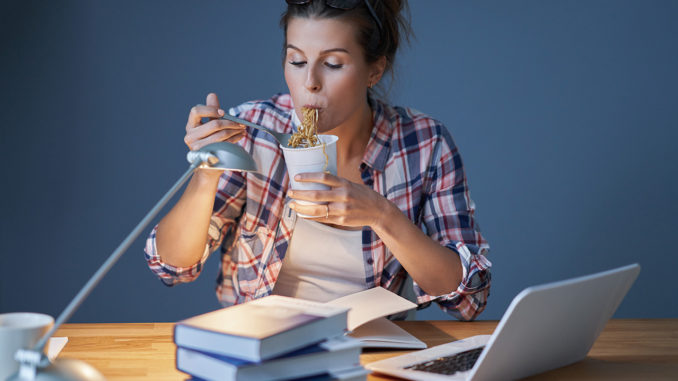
(376, 42)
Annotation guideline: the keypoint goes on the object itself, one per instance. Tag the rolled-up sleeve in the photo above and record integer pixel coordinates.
(448, 217)
(228, 205)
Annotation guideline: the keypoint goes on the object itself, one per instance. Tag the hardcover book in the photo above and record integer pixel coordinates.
(333, 355)
(261, 329)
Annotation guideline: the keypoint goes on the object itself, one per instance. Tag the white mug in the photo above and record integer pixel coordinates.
(19, 330)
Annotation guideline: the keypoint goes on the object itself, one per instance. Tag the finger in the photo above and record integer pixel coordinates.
(319, 211)
(319, 177)
(237, 137)
(313, 195)
(212, 100)
(202, 111)
(220, 136)
(214, 126)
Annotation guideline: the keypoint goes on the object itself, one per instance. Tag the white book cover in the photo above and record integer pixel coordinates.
(262, 328)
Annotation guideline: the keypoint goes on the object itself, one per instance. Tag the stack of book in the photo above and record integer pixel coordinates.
(272, 338)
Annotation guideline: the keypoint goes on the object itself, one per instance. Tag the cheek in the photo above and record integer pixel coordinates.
(347, 91)
(293, 80)
(347, 82)
(345, 86)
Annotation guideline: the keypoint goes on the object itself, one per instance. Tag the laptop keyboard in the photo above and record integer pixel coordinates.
(449, 365)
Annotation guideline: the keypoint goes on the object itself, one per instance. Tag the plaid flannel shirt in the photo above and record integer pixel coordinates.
(410, 159)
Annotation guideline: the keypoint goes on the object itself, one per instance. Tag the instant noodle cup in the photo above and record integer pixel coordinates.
(320, 158)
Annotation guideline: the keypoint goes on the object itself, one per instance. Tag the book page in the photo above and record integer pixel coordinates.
(297, 305)
(371, 304)
(383, 333)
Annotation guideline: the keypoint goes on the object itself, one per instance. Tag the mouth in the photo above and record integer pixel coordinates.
(314, 107)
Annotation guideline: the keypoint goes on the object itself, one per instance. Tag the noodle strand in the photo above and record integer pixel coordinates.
(307, 134)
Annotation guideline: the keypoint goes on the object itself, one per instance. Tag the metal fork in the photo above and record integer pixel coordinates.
(281, 137)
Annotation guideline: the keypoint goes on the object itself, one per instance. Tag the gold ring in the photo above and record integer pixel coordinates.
(327, 212)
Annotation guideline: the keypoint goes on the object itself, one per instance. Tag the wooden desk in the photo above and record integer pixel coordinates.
(626, 350)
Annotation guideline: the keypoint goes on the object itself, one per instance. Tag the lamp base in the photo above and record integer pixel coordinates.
(64, 369)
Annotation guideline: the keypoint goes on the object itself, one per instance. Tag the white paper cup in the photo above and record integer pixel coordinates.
(312, 159)
(19, 330)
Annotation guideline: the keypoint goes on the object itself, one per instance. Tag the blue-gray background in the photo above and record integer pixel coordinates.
(565, 112)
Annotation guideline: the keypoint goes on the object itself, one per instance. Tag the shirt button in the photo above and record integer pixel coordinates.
(370, 261)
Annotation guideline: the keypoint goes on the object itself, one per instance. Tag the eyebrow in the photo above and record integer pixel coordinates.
(290, 46)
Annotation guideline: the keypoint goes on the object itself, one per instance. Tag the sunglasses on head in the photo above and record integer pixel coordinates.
(343, 5)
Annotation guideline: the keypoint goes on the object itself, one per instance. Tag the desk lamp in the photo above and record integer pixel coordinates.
(34, 364)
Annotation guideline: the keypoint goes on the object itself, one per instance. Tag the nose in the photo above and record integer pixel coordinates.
(313, 82)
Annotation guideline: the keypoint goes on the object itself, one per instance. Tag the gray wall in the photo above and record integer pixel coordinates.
(565, 113)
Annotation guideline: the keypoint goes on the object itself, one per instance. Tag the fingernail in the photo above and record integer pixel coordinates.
(221, 112)
(290, 193)
(292, 205)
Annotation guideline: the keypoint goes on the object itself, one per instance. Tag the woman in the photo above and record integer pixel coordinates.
(398, 206)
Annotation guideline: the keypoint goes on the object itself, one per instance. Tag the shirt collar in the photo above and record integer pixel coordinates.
(379, 146)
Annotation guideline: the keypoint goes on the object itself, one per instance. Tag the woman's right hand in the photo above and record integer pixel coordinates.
(213, 129)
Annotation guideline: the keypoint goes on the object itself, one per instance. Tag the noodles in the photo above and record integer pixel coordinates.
(307, 134)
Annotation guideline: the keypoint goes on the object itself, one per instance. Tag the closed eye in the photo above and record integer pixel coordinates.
(297, 63)
(333, 66)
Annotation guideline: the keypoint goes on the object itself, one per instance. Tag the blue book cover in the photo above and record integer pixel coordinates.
(335, 354)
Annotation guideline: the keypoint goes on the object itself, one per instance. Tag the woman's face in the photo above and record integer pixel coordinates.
(325, 69)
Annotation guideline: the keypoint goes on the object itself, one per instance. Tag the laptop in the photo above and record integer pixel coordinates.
(545, 327)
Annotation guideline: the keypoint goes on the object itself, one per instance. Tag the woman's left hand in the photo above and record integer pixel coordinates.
(346, 203)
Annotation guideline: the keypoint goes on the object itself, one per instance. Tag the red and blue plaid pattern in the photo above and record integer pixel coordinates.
(410, 159)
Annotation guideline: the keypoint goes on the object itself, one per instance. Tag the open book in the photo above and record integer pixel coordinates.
(367, 318)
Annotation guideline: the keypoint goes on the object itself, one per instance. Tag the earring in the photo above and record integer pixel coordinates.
(369, 85)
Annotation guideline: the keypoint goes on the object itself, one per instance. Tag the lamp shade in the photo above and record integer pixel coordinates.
(231, 157)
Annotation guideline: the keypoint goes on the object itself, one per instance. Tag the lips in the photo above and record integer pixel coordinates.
(312, 107)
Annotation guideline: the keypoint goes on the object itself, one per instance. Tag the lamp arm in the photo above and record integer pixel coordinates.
(113, 258)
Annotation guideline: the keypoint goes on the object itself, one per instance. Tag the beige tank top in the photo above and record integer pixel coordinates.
(322, 263)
